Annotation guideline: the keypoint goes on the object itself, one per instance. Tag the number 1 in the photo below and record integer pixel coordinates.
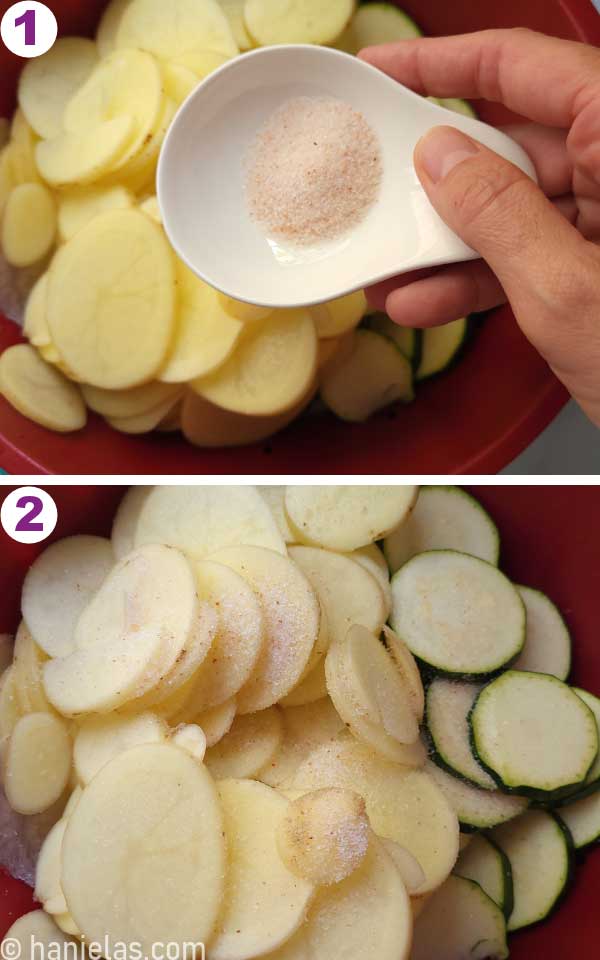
(28, 19)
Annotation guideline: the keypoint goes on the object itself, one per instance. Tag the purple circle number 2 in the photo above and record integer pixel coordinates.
(28, 21)
(26, 523)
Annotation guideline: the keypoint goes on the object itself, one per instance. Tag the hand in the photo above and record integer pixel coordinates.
(538, 243)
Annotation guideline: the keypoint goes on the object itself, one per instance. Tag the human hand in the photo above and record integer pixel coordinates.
(538, 244)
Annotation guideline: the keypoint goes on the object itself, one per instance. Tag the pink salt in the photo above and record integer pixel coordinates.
(314, 170)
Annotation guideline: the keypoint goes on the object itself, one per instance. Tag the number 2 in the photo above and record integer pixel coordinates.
(26, 524)
(28, 20)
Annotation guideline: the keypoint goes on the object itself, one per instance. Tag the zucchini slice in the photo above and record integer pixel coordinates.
(485, 863)
(548, 641)
(376, 23)
(459, 615)
(540, 852)
(592, 782)
(533, 734)
(370, 375)
(460, 921)
(444, 518)
(476, 809)
(407, 339)
(440, 348)
(459, 106)
(448, 705)
(583, 820)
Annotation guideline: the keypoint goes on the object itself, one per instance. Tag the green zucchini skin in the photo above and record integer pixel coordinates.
(437, 757)
(509, 887)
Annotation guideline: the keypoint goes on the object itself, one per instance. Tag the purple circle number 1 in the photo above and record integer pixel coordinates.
(27, 522)
(28, 21)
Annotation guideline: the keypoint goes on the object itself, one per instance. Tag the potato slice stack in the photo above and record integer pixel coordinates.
(150, 694)
(116, 323)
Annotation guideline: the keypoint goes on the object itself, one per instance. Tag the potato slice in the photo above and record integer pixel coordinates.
(106, 35)
(135, 402)
(111, 300)
(21, 150)
(66, 923)
(28, 225)
(37, 764)
(409, 671)
(39, 392)
(202, 62)
(41, 929)
(304, 729)
(271, 369)
(78, 207)
(348, 593)
(246, 312)
(126, 520)
(171, 31)
(264, 902)
(312, 687)
(119, 835)
(35, 324)
(217, 721)
(48, 82)
(151, 208)
(28, 663)
(207, 425)
(10, 708)
(73, 159)
(205, 335)
(58, 587)
(250, 744)
(100, 739)
(131, 632)
(201, 520)
(398, 802)
(144, 422)
(240, 634)
(179, 81)
(234, 11)
(275, 497)
(48, 890)
(298, 21)
(7, 178)
(346, 518)
(337, 317)
(372, 559)
(408, 867)
(192, 739)
(291, 615)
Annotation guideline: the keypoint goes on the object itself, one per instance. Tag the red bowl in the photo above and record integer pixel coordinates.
(475, 419)
(549, 541)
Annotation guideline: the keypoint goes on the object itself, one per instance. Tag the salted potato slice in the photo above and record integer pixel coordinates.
(264, 902)
(271, 369)
(78, 207)
(58, 587)
(37, 763)
(126, 520)
(41, 929)
(35, 325)
(299, 21)
(111, 300)
(275, 497)
(252, 742)
(136, 402)
(121, 830)
(48, 890)
(372, 559)
(48, 82)
(39, 391)
(144, 422)
(337, 317)
(398, 802)
(348, 593)
(239, 636)
(217, 721)
(66, 923)
(201, 520)
(311, 688)
(408, 866)
(205, 335)
(346, 518)
(206, 425)
(409, 670)
(106, 35)
(28, 662)
(78, 158)
(291, 616)
(100, 739)
(304, 729)
(130, 634)
(28, 225)
(10, 708)
(192, 739)
(173, 30)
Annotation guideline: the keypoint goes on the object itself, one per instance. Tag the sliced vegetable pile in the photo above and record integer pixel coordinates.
(115, 322)
(214, 695)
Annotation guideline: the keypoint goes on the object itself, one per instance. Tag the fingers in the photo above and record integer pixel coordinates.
(542, 78)
(547, 147)
(451, 293)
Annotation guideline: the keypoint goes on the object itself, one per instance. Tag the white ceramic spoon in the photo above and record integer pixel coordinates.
(201, 180)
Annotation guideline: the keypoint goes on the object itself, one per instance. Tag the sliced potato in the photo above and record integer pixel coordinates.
(271, 369)
(42, 930)
(202, 62)
(145, 422)
(312, 687)
(408, 866)
(47, 83)
(37, 763)
(291, 616)
(58, 587)
(304, 729)
(247, 312)
(28, 664)
(179, 81)
(337, 317)
(250, 744)
(347, 518)
(192, 739)
(78, 207)
(275, 497)
(298, 21)
(106, 35)
(217, 722)
(39, 392)
(10, 708)
(151, 806)
(35, 324)
(28, 225)
(21, 150)
(151, 208)
(126, 520)
(408, 669)
(65, 922)
(200, 520)
(205, 335)
(135, 402)
(111, 300)
(48, 890)
(7, 178)
(206, 425)
(173, 30)
(100, 739)
(73, 159)
(372, 559)
(264, 902)
(234, 11)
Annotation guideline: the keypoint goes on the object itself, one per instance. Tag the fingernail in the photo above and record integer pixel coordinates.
(442, 149)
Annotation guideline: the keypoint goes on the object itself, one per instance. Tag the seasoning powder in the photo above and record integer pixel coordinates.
(314, 171)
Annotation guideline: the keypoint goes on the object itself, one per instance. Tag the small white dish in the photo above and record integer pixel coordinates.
(201, 180)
